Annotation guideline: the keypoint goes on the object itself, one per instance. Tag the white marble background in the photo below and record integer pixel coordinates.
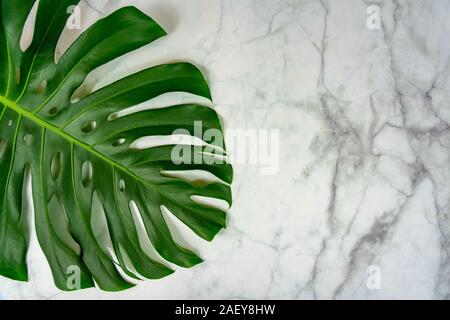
(364, 157)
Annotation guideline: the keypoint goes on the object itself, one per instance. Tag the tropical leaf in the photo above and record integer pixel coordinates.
(80, 156)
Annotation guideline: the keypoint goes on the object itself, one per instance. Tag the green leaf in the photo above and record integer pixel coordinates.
(86, 174)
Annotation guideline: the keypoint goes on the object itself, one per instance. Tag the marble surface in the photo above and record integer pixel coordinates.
(359, 208)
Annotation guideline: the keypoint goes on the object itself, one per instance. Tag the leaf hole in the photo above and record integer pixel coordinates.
(164, 100)
(56, 165)
(89, 126)
(199, 178)
(118, 142)
(102, 235)
(147, 142)
(181, 233)
(143, 237)
(113, 116)
(86, 173)
(27, 35)
(28, 139)
(121, 185)
(128, 264)
(10, 123)
(121, 268)
(210, 202)
(60, 223)
(74, 27)
(53, 111)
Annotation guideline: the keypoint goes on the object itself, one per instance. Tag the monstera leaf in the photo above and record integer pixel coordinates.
(81, 159)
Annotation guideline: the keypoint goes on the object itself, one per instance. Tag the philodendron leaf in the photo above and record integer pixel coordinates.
(87, 175)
